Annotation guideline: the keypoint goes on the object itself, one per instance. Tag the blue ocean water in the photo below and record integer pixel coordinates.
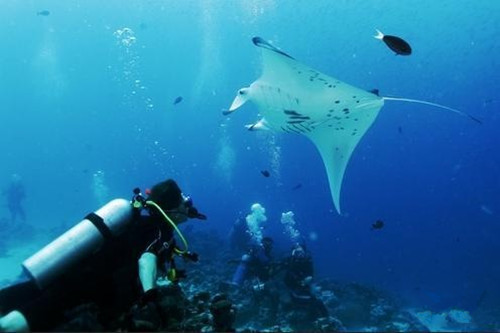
(87, 113)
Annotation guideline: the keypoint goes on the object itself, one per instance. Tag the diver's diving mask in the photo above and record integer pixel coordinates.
(185, 210)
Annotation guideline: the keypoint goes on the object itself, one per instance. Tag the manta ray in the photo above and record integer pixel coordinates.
(295, 98)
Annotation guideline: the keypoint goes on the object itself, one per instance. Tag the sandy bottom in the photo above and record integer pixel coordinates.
(10, 262)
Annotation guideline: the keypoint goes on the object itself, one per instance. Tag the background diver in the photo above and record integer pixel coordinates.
(256, 263)
(14, 195)
(258, 267)
(298, 270)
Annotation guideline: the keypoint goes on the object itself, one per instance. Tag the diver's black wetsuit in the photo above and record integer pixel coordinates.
(109, 278)
(296, 270)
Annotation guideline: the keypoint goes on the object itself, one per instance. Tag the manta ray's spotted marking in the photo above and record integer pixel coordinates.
(294, 98)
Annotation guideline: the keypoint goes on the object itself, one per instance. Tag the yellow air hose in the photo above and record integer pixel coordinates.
(169, 220)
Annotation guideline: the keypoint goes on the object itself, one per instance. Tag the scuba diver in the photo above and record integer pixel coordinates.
(298, 270)
(257, 263)
(258, 267)
(102, 260)
(14, 195)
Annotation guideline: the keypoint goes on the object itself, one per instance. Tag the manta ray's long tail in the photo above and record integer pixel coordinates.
(432, 104)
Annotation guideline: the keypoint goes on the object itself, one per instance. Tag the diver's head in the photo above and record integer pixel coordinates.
(267, 243)
(298, 251)
(184, 211)
(169, 197)
(166, 194)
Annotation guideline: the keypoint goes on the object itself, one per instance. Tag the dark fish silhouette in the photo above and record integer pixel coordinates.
(379, 224)
(400, 130)
(296, 187)
(178, 100)
(265, 173)
(43, 13)
(398, 45)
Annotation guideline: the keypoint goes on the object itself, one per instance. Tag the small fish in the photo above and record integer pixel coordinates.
(400, 130)
(43, 13)
(265, 173)
(296, 187)
(379, 224)
(178, 100)
(398, 45)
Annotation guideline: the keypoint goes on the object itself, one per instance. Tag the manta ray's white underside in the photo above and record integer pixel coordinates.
(294, 98)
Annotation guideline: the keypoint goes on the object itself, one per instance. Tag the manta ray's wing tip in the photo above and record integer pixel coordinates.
(238, 101)
(336, 203)
(261, 42)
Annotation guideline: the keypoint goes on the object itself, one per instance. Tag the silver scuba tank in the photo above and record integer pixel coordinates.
(79, 242)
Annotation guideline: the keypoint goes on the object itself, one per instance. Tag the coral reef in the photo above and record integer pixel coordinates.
(453, 320)
(205, 302)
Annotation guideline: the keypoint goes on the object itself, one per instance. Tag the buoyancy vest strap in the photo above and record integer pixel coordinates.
(100, 225)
